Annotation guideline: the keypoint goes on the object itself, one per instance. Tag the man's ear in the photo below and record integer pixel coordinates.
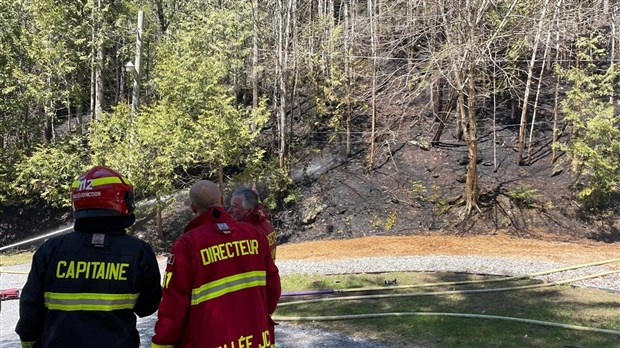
(193, 208)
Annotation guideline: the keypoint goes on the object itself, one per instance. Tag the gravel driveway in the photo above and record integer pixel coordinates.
(302, 336)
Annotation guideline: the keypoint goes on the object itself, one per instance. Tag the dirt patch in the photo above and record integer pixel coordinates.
(569, 252)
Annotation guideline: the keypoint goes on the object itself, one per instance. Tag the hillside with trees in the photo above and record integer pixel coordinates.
(352, 117)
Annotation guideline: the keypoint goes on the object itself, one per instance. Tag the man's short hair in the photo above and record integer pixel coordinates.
(248, 197)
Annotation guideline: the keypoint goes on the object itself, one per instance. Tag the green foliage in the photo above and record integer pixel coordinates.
(276, 180)
(437, 198)
(376, 222)
(418, 190)
(49, 171)
(524, 195)
(148, 149)
(110, 138)
(199, 56)
(334, 89)
(160, 148)
(196, 121)
(6, 178)
(164, 141)
(594, 147)
(390, 221)
(196, 61)
(14, 58)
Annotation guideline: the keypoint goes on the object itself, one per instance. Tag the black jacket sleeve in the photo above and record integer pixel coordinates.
(32, 311)
(150, 288)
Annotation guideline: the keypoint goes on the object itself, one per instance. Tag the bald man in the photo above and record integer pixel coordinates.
(221, 284)
(203, 195)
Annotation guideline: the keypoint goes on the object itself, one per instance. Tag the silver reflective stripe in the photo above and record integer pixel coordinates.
(89, 301)
(227, 285)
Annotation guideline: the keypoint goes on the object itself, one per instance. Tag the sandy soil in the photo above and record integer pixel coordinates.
(496, 245)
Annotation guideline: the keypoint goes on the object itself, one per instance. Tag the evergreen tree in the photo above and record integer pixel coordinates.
(594, 145)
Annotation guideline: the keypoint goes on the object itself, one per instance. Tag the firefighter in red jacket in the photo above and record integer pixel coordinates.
(86, 287)
(220, 284)
(245, 206)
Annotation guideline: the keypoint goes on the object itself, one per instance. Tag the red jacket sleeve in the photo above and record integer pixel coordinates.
(273, 279)
(176, 294)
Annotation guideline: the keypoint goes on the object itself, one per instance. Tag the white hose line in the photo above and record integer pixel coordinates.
(63, 230)
(13, 272)
(458, 315)
(462, 282)
(450, 292)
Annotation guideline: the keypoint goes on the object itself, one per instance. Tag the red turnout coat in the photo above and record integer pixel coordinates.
(220, 286)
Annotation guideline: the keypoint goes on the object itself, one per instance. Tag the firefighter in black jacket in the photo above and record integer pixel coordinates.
(84, 287)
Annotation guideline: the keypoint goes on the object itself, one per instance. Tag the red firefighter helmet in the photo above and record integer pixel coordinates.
(101, 191)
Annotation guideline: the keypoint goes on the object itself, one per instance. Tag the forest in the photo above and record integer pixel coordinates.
(167, 91)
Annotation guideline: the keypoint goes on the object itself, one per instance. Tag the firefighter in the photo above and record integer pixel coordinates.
(85, 288)
(221, 283)
(245, 206)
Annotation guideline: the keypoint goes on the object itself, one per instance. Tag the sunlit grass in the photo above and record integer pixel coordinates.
(15, 259)
(558, 304)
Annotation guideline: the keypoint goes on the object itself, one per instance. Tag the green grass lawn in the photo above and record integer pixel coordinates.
(558, 304)
(15, 259)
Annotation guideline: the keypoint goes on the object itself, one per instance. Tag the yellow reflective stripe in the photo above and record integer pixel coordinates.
(89, 301)
(27, 344)
(155, 345)
(103, 181)
(227, 285)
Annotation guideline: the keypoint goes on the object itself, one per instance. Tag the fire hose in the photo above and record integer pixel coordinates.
(438, 293)
(463, 282)
(14, 293)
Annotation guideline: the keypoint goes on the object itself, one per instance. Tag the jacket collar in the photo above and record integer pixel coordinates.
(107, 224)
(214, 215)
(257, 215)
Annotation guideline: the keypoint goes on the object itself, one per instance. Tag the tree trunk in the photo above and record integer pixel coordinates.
(283, 31)
(471, 183)
(159, 219)
(220, 180)
(373, 99)
(445, 105)
(523, 124)
(254, 57)
(78, 118)
(163, 25)
(48, 129)
(556, 96)
(93, 53)
(540, 78)
(292, 103)
(99, 65)
(556, 103)
(614, 98)
(494, 117)
(347, 69)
